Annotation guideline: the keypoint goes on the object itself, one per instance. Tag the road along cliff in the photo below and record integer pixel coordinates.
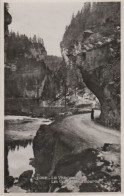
(91, 43)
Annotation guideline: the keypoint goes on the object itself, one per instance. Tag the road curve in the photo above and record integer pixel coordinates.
(83, 133)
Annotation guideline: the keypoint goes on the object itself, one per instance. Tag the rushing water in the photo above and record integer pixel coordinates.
(19, 133)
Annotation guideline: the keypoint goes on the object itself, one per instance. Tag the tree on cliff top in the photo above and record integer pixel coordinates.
(95, 17)
(20, 44)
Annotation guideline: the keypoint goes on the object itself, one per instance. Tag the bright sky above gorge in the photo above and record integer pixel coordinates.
(46, 19)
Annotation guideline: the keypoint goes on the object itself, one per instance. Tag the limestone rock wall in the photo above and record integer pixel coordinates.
(98, 59)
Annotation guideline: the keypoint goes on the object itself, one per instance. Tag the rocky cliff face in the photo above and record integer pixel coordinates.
(29, 70)
(31, 74)
(25, 69)
(97, 55)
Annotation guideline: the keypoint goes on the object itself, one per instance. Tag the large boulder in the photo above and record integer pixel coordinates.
(48, 148)
(24, 178)
(70, 164)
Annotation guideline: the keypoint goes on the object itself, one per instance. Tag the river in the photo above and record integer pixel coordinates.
(19, 134)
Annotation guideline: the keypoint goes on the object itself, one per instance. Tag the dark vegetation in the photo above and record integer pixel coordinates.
(97, 16)
(31, 73)
(19, 45)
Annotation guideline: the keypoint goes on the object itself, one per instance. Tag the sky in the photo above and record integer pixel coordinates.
(46, 19)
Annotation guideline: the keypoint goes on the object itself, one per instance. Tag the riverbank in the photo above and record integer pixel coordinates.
(49, 109)
(22, 128)
(30, 107)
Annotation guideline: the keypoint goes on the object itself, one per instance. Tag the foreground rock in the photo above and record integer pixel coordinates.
(9, 181)
(24, 178)
(48, 149)
(83, 172)
(73, 162)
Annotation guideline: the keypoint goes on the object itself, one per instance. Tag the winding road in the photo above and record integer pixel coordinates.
(77, 131)
(82, 133)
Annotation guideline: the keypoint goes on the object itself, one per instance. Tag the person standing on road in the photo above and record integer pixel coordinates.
(93, 106)
(92, 114)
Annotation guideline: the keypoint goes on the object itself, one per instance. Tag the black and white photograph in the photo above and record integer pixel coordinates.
(62, 96)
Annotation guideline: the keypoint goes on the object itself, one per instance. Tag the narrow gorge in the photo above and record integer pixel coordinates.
(67, 108)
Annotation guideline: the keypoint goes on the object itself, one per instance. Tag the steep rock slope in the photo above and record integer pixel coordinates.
(93, 45)
(29, 71)
(32, 74)
(24, 68)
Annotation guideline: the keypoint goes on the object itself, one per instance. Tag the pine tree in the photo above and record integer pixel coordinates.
(17, 34)
(40, 41)
(34, 39)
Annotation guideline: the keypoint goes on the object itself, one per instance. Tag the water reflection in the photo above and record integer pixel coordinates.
(17, 158)
(19, 134)
(18, 143)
